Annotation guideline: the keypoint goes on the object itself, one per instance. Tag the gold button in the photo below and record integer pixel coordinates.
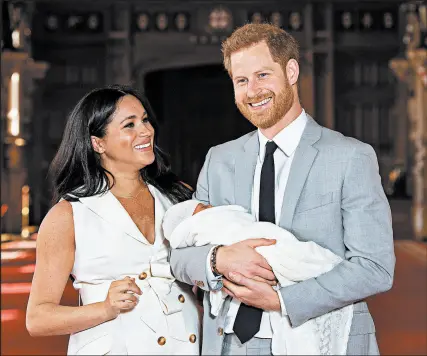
(193, 338)
(161, 340)
(181, 298)
(143, 275)
(220, 331)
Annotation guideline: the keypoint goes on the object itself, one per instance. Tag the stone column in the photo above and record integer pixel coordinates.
(418, 62)
(306, 78)
(17, 147)
(411, 69)
(118, 68)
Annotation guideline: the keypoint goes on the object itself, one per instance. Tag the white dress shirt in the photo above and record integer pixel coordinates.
(287, 141)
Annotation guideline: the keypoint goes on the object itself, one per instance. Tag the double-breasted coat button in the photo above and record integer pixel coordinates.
(181, 298)
(142, 276)
(193, 338)
(161, 340)
(220, 331)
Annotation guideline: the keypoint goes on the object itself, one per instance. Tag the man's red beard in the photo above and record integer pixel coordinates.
(267, 118)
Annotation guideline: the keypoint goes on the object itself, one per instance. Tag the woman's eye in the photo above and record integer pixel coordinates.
(145, 120)
(129, 125)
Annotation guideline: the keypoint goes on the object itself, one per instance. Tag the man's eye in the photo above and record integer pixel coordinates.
(241, 81)
(263, 75)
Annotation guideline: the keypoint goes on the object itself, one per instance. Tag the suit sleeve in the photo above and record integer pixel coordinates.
(368, 267)
(189, 264)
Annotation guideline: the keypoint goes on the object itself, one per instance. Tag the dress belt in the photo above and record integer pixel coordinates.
(160, 280)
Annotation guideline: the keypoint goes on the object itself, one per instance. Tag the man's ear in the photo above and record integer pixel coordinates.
(97, 144)
(292, 71)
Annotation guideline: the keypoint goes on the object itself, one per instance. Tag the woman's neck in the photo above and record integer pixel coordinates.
(126, 184)
(127, 180)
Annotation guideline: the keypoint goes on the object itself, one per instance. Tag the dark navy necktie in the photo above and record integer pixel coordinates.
(248, 318)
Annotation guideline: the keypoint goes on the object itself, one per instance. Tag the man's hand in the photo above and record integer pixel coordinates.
(241, 257)
(251, 292)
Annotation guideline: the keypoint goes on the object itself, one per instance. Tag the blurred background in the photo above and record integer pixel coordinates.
(363, 73)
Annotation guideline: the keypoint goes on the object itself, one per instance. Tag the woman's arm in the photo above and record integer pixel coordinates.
(54, 262)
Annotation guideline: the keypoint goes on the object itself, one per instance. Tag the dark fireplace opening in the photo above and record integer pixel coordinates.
(196, 110)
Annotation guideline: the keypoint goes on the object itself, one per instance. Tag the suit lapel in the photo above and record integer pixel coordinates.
(245, 170)
(302, 162)
(109, 208)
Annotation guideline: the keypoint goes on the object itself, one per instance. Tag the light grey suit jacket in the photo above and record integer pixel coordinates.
(333, 197)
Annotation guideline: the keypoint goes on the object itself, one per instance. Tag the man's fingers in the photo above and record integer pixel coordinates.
(262, 280)
(260, 242)
(240, 279)
(264, 273)
(264, 264)
(226, 290)
(231, 287)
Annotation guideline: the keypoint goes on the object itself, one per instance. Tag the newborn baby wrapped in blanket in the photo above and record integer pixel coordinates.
(191, 223)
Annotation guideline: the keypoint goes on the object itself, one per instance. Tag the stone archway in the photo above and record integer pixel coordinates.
(196, 110)
(193, 98)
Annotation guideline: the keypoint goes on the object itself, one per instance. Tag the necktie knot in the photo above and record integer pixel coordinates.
(270, 147)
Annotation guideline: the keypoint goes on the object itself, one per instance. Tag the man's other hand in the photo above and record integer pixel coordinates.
(250, 292)
(241, 257)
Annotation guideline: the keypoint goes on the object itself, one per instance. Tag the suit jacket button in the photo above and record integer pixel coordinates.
(161, 340)
(220, 331)
(181, 298)
(193, 338)
(142, 276)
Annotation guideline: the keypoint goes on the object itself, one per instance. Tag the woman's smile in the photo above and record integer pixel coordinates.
(143, 147)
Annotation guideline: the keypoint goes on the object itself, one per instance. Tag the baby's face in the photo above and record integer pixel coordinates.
(200, 207)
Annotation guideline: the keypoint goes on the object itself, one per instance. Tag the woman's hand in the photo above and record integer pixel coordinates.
(121, 297)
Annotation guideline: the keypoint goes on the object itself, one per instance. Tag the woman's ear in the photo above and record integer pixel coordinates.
(97, 144)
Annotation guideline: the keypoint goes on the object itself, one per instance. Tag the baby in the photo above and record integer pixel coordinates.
(192, 223)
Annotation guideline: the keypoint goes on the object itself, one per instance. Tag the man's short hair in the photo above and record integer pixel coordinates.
(281, 44)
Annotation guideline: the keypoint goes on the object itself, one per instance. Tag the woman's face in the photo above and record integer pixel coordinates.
(129, 139)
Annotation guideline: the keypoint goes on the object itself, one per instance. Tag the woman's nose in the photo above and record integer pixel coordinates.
(144, 130)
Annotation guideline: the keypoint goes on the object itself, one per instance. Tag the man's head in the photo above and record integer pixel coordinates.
(262, 61)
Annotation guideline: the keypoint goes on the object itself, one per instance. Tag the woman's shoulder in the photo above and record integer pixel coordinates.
(60, 212)
(58, 224)
(62, 207)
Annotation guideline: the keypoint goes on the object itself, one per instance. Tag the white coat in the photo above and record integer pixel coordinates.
(109, 247)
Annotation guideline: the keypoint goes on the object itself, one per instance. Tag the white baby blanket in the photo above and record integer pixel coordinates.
(292, 261)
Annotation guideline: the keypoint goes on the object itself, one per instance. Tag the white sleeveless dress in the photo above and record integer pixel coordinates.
(109, 247)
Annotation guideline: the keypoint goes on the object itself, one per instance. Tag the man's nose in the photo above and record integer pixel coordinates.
(252, 89)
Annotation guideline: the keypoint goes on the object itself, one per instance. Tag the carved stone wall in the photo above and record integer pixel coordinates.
(147, 43)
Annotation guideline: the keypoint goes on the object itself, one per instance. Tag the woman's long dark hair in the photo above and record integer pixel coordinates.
(76, 168)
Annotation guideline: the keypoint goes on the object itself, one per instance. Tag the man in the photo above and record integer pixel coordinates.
(318, 184)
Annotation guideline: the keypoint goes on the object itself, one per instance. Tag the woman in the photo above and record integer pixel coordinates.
(114, 185)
